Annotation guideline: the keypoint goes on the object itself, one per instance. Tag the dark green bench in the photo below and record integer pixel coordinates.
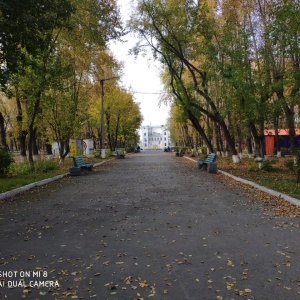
(80, 165)
(208, 164)
(119, 154)
(179, 153)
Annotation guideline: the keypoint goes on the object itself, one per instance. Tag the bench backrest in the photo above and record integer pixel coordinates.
(211, 157)
(78, 161)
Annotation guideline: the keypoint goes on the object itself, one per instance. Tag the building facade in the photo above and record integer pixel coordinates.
(155, 137)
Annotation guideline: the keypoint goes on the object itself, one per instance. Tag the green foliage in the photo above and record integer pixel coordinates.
(267, 165)
(203, 149)
(97, 154)
(31, 25)
(252, 165)
(297, 165)
(45, 166)
(21, 169)
(130, 149)
(17, 181)
(289, 164)
(5, 161)
(108, 153)
(38, 167)
(183, 150)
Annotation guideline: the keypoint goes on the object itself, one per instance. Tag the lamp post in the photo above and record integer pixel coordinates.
(102, 114)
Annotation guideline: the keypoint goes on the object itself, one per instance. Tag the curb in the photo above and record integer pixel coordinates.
(39, 183)
(259, 187)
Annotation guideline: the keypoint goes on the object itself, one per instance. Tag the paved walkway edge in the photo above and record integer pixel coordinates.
(39, 183)
(259, 187)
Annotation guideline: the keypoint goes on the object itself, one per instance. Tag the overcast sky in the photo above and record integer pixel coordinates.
(142, 76)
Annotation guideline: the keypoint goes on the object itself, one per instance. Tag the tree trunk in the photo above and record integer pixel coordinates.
(109, 137)
(22, 133)
(289, 113)
(117, 132)
(64, 150)
(259, 141)
(32, 129)
(249, 143)
(30, 145)
(201, 131)
(3, 143)
(35, 148)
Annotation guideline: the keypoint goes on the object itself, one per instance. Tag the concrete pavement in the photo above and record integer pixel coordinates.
(148, 226)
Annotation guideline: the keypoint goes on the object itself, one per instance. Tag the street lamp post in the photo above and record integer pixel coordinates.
(102, 119)
(102, 114)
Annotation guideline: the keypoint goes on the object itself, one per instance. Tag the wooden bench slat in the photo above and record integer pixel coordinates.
(79, 162)
(211, 158)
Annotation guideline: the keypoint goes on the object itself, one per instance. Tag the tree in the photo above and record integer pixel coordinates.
(52, 45)
(27, 27)
(122, 116)
(173, 29)
(28, 43)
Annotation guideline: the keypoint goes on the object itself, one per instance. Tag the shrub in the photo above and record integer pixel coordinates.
(176, 149)
(267, 165)
(97, 153)
(184, 150)
(297, 165)
(5, 161)
(45, 166)
(203, 149)
(289, 164)
(252, 165)
(39, 167)
(22, 168)
(130, 149)
(108, 153)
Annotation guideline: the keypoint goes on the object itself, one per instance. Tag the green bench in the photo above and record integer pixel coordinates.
(208, 164)
(80, 165)
(179, 153)
(120, 154)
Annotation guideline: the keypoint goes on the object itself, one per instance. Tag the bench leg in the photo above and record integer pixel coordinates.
(75, 171)
(212, 168)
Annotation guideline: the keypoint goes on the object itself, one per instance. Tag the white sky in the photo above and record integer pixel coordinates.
(141, 75)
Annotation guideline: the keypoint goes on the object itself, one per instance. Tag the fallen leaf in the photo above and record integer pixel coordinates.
(143, 283)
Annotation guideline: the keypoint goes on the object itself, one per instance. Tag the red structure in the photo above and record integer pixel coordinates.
(284, 139)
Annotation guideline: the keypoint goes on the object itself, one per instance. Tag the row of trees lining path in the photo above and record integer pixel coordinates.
(232, 67)
(53, 55)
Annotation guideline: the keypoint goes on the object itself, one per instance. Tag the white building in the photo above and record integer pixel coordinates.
(155, 137)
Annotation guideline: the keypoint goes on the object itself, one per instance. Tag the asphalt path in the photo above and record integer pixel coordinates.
(150, 226)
